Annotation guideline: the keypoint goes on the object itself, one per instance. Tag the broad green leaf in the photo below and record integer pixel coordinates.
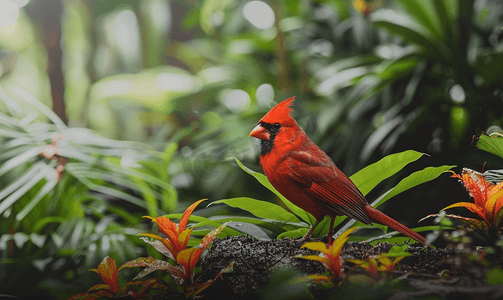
(492, 144)
(202, 221)
(445, 10)
(148, 195)
(495, 276)
(405, 27)
(339, 80)
(324, 226)
(424, 12)
(40, 224)
(413, 180)
(399, 250)
(304, 215)
(260, 209)
(346, 63)
(169, 152)
(393, 70)
(390, 238)
(367, 178)
(379, 135)
(275, 226)
(293, 233)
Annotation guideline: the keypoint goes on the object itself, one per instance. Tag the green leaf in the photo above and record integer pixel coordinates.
(51, 115)
(396, 69)
(341, 79)
(293, 233)
(40, 224)
(495, 276)
(444, 12)
(399, 250)
(208, 9)
(402, 25)
(26, 186)
(261, 209)
(424, 12)
(202, 221)
(19, 159)
(411, 181)
(275, 226)
(367, 178)
(324, 226)
(391, 237)
(21, 180)
(304, 215)
(48, 186)
(148, 195)
(490, 143)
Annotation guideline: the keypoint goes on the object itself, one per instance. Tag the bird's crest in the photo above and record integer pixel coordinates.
(280, 113)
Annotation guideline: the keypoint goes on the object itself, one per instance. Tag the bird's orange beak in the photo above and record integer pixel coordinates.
(260, 132)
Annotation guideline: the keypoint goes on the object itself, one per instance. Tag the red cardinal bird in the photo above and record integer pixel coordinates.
(306, 176)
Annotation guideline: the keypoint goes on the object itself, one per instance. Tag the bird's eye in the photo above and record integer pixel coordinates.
(276, 126)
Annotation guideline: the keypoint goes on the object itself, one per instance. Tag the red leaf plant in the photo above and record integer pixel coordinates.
(380, 265)
(330, 257)
(183, 272)
(488, 201)
(174, 246)
(177, 234)
(111, 288)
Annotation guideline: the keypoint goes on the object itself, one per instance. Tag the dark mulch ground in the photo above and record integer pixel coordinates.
(437, 273)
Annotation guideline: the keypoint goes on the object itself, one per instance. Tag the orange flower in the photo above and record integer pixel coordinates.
(382, 263)
(183, 272)
(177, 234)
(488, 200)
(488, 197)
(330, 256)
(110, 288)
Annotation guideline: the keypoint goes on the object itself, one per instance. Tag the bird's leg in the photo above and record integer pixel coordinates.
(306, 236)
(331, 230)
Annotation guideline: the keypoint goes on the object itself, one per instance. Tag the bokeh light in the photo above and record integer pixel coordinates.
(259, 14)
(9, 12)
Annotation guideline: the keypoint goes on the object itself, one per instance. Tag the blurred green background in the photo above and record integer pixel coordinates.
(148, 100)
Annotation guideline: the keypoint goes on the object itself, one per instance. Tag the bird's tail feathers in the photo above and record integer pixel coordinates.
(379, 217)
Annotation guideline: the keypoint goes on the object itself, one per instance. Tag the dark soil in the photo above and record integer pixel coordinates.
(429, 273)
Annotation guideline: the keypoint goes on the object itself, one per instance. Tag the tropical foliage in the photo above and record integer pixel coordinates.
(291, 221)
(330, 257)
(173, 247)
(61, 193)
(152, 97)
(487, 196)
(379, 266)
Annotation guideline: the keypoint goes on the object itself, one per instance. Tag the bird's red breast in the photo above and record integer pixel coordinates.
(306, 176)
(301, 171)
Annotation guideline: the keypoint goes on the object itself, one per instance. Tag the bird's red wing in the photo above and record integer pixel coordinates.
(322, 181)
(306, 168)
